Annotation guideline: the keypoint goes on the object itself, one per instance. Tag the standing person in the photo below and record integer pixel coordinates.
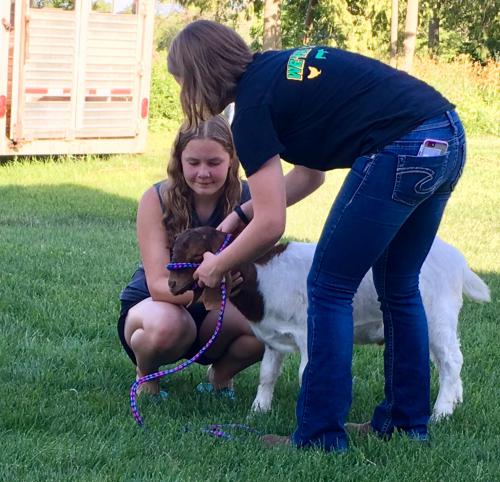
(156, 327)
(322, 108)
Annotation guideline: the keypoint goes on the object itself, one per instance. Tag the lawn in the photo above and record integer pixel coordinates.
(67, 247)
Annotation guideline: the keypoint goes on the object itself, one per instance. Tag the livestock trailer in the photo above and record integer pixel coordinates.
(74, 75)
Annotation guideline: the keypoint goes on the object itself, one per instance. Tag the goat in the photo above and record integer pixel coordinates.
(273, 297)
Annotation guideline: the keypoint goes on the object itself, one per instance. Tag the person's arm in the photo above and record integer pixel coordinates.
(299, 183)
(268, 190)
(153, 245)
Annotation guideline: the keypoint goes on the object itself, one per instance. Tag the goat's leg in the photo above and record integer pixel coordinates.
(448, 358)
(270, 368)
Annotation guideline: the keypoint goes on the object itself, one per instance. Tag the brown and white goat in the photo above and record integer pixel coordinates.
(273, 297)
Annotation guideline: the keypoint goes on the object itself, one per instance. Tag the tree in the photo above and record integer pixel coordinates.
(410, 40)
(394, 33)
(308, 21)
(272, 25)
(453, 27)
(477, 24)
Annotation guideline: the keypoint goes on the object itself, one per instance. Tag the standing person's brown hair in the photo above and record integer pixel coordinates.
(207, 58)
(177, 196)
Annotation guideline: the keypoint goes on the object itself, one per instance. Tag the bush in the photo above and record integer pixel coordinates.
(471, 86)
(167, 27)
(165, 105)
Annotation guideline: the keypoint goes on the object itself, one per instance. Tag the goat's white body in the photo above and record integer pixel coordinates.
(444, 277)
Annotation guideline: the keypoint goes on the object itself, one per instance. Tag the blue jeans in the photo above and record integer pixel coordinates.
(385, 217)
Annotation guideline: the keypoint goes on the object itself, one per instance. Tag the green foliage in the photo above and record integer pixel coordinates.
(472, 87)
(63, 4)
(166, 28)
(359, 25)
(164, 96)
(466, 27)
(102, 6)
(224, 11)
(364, 26)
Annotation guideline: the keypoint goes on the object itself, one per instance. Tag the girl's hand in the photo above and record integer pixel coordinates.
(235, 281)
(231, 224)
(208, 273)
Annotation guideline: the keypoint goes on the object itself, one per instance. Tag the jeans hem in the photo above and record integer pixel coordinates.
(339, 445)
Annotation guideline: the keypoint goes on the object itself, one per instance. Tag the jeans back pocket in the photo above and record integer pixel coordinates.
(418, 177)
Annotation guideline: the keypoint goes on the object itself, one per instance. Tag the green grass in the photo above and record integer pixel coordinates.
(67, 247)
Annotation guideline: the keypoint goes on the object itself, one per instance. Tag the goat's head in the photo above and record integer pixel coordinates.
(189, 248)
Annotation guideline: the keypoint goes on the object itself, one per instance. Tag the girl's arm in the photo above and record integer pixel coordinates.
(266, 228)
(299, 183)
(153, 245)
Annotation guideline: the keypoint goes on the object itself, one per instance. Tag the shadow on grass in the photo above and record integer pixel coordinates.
(64, 201)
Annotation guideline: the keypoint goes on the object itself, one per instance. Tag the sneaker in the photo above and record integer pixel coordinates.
(271, 440)
(359, 428)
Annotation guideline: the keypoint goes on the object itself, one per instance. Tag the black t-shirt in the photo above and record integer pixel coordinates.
(323, 107)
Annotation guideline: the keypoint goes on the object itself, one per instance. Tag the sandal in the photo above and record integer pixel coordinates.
(207, 387)
(155, 397)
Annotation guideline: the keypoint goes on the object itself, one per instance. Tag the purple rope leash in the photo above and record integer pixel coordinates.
(154, 376)
(219, 430)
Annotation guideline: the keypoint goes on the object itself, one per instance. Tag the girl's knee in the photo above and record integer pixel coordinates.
(169, 333)
(163, 327)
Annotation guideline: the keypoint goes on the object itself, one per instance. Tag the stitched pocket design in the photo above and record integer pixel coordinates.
(418, 177)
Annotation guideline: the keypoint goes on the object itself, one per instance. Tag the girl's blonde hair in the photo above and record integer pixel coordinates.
(177, 196)
(208, 58)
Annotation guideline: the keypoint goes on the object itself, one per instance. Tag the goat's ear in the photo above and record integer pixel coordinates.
(211, 298)
(197, 292)
(216, 240)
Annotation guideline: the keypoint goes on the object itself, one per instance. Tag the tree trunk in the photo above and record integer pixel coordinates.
(272, 25)
(394, 33)
(410, 33)
(309, 20)
(433, 42)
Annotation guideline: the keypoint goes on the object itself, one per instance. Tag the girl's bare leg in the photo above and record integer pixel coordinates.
(235, 349)
(158, 333)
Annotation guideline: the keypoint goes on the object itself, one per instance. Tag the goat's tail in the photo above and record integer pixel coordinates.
(474, 287)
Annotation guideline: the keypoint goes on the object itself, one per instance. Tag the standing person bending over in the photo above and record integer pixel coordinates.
(156, 327)
(322, 108)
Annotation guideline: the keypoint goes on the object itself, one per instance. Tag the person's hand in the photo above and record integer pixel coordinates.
(231, 224)
(208, 273)
(235, 281)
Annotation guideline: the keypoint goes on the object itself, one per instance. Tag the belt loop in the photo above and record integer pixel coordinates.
(452, 121)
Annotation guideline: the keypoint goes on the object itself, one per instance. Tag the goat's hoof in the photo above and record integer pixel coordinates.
(259, 407)
(440, 415)
(444, 410)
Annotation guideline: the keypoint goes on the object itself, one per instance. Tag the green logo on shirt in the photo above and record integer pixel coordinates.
(320, 54)
(296, 63)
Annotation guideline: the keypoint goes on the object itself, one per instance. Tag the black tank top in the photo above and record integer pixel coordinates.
(137, 289)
